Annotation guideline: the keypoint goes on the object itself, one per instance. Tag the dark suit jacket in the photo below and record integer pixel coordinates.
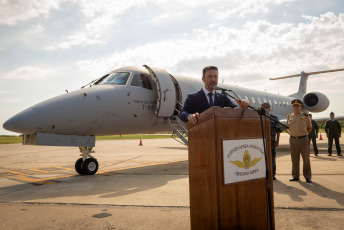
(197, 103)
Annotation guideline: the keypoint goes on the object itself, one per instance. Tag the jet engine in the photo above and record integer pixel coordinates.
(315, 102)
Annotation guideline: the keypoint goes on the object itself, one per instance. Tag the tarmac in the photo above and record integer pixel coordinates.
(147, 187)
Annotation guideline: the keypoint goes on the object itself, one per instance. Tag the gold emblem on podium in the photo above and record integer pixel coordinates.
(246, 161)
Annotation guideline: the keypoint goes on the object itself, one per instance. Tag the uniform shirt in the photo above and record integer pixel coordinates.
(298, 124)
(332, 127)
(275, 127)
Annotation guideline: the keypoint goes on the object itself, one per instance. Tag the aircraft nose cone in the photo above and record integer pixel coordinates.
(24, 122)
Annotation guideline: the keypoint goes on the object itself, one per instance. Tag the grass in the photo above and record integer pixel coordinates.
(7, 139)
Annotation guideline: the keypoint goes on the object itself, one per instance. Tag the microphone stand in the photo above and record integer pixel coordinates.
(261, 112)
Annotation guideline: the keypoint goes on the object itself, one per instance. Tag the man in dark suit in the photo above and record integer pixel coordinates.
(202, 100)
(333, 131)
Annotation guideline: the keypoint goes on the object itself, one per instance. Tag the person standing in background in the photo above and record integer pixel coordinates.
(275, 135)
(313, 135)
(333, 131)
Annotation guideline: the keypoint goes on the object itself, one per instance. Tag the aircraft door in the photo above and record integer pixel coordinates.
(167, 94)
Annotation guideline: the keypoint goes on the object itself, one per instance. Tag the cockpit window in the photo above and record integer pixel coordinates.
(119, 78)
(141, 80)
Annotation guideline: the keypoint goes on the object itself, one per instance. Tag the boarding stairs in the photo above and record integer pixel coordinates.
(179, 132)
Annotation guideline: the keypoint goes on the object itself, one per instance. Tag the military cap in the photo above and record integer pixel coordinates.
(266, 104)
(296, 102)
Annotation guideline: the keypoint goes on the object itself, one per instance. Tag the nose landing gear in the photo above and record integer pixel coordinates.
(87, 165)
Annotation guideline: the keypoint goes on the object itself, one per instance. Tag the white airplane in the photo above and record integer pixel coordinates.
(132, 100)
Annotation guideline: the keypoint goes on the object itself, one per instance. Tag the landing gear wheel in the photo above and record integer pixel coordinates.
(90, 166)
(78, 166)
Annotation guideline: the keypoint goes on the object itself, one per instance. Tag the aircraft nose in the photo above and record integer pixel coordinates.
(24, 122)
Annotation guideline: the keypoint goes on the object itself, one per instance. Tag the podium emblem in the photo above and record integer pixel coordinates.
(246, 161)
(243, 159)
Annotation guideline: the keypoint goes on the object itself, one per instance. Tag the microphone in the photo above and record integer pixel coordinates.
(219, 88)
(228, 90)
(261, 111)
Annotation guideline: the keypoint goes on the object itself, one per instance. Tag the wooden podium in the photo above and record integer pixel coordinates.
(215, 204)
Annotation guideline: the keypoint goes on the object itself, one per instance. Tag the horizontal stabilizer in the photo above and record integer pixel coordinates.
(310, 73)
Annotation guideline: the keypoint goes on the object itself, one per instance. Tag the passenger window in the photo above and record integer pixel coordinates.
(247, 98)
(275, 102)
(270, 102)
(141, 80)
(264, 99)
(260, 102)
(254, 101)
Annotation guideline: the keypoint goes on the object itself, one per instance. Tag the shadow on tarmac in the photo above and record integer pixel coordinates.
(325, 192)
(294, 193)
(109, 184)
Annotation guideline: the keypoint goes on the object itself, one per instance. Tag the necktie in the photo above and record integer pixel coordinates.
(211, 103)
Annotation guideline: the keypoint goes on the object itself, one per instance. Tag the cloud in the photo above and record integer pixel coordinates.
(242, 9)
(13, 12)
(28, 73)
(257, 50)
(100, 17)
(12, 101)
(4, 92)
(36, 29)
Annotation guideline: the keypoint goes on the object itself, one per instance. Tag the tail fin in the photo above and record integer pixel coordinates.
(303, 81)
(302, 87)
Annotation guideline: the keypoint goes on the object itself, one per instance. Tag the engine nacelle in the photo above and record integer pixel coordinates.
(315, 102)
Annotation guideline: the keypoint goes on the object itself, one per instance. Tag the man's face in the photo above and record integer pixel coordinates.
(297, 108)
(210, 79)
(332, 116)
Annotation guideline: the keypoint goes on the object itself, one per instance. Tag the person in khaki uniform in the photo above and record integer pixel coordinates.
(299, 128)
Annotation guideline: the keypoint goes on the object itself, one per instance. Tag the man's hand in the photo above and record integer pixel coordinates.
(193, 118)
(243, 104)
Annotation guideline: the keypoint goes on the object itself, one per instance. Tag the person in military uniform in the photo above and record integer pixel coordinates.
(333, 131)
(299, 128)
(275, 131)
(313, 135)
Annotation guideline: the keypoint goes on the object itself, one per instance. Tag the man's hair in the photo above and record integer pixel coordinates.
(209, 68)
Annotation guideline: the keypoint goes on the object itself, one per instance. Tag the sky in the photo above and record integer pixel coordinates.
(49, 46)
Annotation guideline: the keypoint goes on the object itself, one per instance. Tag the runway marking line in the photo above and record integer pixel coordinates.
(50, 170)
(41, 180)
(19, 176)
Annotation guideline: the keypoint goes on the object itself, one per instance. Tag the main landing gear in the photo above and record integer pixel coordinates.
(87, 164)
